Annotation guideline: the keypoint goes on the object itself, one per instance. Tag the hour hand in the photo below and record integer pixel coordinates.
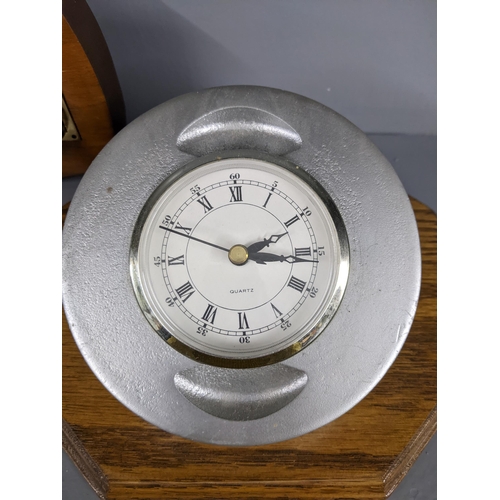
(263, 257)
(255, 247)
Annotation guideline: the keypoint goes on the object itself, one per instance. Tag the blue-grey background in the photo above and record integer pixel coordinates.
(373, 61)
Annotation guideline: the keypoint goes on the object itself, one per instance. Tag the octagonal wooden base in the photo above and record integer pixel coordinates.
(362, 455)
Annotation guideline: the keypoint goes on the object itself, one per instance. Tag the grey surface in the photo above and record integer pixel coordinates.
(414, 159)
(74, 485)
(373, 61)
(421, 481)
(69, 186)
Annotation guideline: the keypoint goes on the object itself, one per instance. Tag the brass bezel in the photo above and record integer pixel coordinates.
(310, 335)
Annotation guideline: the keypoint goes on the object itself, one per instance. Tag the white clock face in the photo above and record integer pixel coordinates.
(239, 261)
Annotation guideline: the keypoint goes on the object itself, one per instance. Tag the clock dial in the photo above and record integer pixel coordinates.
(239, 261)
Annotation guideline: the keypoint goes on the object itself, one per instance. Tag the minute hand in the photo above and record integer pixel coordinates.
(263, 257)
(194, 239)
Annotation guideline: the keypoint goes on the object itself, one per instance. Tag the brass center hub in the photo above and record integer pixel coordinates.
(238, 255)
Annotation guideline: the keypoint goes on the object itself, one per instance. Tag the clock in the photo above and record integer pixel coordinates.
(241, 266)
(240, 259)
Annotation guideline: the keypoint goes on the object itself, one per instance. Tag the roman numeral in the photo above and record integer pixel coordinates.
(267, 199)
(291, 221)
(243, 321)
(301, 252)
(235, 193)
(185, 291)
(187, 230)
(296, 284)
(176, 261)
(206, 204)
(210, 314)
(276, 311)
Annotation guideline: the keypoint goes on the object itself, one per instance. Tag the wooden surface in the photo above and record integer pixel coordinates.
(361, 455)
(87, 104)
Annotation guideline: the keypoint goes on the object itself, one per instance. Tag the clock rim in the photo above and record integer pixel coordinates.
(306, 338)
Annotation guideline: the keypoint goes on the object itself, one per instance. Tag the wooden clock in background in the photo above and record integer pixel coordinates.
(92, 103)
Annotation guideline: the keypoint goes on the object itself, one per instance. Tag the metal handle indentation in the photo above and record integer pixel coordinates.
(238, 127)
(241, 395)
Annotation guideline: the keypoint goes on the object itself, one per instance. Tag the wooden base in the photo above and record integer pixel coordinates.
(362, 455)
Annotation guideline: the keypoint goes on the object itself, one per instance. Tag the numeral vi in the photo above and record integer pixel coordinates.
(242, 317)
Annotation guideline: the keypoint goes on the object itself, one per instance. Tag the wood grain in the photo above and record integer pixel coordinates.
(87, 104)
(361, 455)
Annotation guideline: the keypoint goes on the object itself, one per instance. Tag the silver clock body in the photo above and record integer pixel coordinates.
(254, 405)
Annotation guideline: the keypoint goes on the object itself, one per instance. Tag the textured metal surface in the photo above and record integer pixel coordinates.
(342, 365)
(239, 127)
(241, 394)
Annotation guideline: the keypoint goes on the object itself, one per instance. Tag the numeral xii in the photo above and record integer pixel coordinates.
(236, 194)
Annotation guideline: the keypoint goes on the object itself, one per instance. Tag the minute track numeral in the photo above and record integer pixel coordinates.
(296, 284)
(205, 203)
(175, 261)
(209, 314)
(288, 223)
(236, 194)
(185, 291)
(301, 252)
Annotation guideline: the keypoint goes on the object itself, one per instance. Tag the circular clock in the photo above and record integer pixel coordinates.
(241, 266)
(239, 261)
